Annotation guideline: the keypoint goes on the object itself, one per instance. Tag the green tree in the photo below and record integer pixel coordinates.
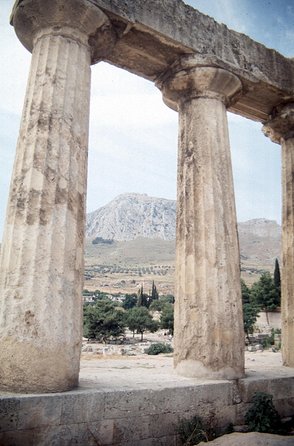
(277, 279)
(154, 292)
(130, 301)
(167, 318)
(156, 305)
(277, 274)
(103, 320)
(250, 309)
(100, 294)
(143, 299)
(246, 295)
(140, 296)
(265, 293)
(167, 299)
(139, 319)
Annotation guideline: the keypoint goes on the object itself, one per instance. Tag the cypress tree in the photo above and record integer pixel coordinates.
(154, 292)
(277, 275)
(140, 296)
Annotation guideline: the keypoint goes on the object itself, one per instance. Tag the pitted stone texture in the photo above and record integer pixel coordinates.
(154, 34)
(287, 282)
(137, 413)
(43, 243)
(281, 130)
(209, 337)
(281, 126)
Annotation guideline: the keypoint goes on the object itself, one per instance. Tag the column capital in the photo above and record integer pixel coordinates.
(78, 20)
(281, 125)
(193, 77)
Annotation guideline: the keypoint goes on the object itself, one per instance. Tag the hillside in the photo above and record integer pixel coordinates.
(139, 232)
(130, 216)
(260, 240)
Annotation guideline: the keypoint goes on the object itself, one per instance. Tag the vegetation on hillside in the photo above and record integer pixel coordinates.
(105, 319)
(102, 241)
(139, 320)
(250, 310)
(264, 295)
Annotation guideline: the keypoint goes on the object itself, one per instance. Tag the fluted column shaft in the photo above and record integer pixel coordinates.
(209, 336)
(43, 243)
(281, 130)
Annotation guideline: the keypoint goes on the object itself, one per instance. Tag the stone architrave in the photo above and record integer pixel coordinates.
(43, 243)
(280, 129)
(209, 336)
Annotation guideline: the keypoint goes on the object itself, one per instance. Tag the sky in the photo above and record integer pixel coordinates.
(133, 135)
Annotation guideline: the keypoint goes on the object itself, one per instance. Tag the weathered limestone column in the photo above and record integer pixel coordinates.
(281, 131)
(42, 251)
(209, 336)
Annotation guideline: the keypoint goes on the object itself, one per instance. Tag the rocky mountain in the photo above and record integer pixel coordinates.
(260, 240)
(260, 227)
(134, 241)
(130, 216)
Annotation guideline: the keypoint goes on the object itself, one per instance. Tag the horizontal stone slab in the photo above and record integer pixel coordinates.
(149, 416)
(153, 35)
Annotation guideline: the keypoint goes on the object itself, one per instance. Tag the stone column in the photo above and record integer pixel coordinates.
(281, 131)
(43, 244)
(209, 336)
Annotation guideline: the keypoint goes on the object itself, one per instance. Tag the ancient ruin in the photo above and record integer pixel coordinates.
(202, 69)
(280, 128)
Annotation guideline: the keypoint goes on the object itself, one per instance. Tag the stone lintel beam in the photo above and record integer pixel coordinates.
(281, 130)
(151, 36)
(209, 335)
(154, 34)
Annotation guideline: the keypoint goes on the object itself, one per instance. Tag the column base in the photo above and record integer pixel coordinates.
(28, 368)
(195, 369)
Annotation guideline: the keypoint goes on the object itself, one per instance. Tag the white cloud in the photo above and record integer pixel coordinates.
(133, 138)
(120, 97)
(257, 171)
(129, 110)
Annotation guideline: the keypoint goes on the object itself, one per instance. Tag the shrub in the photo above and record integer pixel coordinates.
(262, 415)
(195, 430)
(159, 347)
(192, 431)
(101, 241)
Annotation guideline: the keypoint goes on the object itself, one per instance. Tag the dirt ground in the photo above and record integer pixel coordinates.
(144, 371)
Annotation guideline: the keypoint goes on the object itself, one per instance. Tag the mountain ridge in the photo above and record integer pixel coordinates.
(143, 254)
(129, 216)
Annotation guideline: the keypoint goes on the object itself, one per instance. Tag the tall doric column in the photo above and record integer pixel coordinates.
(209, 336)
(43, 243)
(281, 131)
